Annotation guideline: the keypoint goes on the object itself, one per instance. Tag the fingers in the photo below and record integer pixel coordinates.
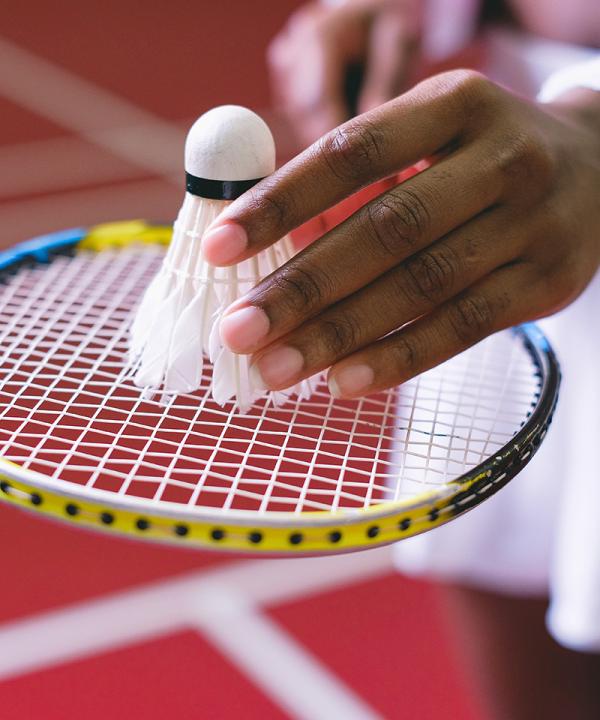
(494, 303)
(392, 44)
(370, 147)
(307, 72)
(385, 232)
(408, 291)
(307, 63)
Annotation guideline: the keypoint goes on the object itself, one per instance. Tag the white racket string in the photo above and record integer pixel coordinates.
(69, 410)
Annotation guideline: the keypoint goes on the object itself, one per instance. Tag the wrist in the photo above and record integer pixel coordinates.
(579, 109)
(575, 90)
(581, 105)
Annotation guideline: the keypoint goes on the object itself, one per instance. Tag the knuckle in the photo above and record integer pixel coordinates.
(340, 335)
(556, 285)
(397, 221)
(302, 289)
(351, 151)
(432, 274)
(472, 85)
(524, 161)
(471, 317)
(406, 354)
(467, 89)
(274, 208)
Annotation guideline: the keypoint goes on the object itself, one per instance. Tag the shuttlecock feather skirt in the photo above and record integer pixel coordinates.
(177, 323)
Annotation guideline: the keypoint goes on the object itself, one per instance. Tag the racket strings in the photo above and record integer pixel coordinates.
(69, 410)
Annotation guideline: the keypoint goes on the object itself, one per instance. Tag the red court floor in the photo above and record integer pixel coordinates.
(95, 98)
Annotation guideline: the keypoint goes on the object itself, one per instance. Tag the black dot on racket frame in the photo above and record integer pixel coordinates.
(255, 537)
(181, 530)
(296, 538)
(217, 534)
(107, 518)
(434, 514)
(71, 509)
(335, 536)
(142, 524)
(373, 531)
(5, 487)
(404, 524)
(35, 499)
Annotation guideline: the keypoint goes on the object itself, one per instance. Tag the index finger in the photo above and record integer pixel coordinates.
(368, 148)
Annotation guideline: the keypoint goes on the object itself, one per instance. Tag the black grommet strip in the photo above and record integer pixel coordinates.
(434, 514)
(255, 537)
(71, 509)
(296, 538)
(142, 524)
(335, 536)
(217, 534)
(5, 487)
(218, 189)
(373, 531)
(35, 499)
(181, 530)
(107, 518)
(404, 524)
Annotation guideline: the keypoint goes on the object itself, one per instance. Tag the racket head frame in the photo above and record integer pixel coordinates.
(272, 533)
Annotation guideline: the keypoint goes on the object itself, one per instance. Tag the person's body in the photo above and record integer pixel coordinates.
(503, 228)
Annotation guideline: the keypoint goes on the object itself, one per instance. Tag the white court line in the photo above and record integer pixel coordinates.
(85, 108)
(57, 164)
(100, 117)
(286, 672)
(102, 624)
(68, 162)
(21, 219)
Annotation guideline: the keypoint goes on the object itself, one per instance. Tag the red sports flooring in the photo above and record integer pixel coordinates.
(95, 98)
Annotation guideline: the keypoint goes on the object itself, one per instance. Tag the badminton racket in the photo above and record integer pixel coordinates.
(79, 441)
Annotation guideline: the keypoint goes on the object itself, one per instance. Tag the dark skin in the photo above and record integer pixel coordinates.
(503, 229)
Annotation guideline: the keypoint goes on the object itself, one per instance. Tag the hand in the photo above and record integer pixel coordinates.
(505, 228)
(309, 59)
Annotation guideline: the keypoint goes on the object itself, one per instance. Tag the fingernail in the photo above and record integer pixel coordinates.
(277, 369)
(351, 381)
(223, 244)
(242, 330)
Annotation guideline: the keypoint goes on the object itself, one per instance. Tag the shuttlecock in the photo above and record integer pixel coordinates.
(227, 151)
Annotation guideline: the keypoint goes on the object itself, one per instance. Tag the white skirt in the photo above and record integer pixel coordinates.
(541, 534)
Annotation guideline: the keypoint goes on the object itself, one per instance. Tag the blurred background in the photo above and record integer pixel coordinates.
(95, 101)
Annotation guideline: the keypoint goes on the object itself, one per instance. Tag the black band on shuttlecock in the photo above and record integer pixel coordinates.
(218, 189)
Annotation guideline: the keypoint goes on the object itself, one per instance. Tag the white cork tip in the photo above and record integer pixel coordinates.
(230, 143)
